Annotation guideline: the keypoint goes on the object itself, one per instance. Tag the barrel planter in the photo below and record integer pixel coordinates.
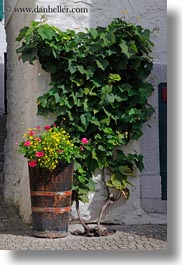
(51, 193)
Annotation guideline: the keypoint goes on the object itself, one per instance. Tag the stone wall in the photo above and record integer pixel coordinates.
(150, 178)
(26, 83)
(2, 51)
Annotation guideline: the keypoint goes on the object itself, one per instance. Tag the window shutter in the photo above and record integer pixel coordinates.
(1, 10)
(163, 137)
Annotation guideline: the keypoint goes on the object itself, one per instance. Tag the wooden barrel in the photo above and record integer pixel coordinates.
(51, 194)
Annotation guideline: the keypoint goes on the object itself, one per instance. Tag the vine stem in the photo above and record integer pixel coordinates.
(109, 201)
(86, 227)
(106, 204)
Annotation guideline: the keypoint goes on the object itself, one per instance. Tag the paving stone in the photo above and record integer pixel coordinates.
(15, 235)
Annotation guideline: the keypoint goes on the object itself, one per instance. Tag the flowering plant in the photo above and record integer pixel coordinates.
(46, 147)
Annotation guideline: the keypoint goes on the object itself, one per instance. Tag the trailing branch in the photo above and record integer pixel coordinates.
(86, 227)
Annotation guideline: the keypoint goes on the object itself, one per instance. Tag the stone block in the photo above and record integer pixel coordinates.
(147, 184)
(154, 206)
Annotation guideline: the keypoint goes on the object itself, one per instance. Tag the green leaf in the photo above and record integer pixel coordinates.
(90, 71)
(77, 165)
(136, 135)
(94, 155)
(81, 179)
(93, 33)
(133, 47)
(57, 97)
(146, 33)
(46, 32)
(108, 131)
(95, 121)
(97, 81)
(91, 185)
(138, 159)
(86, 90)
(79, 82)
(51, 68)
(92, 165)
(22, 33)
(85, 106)
(84, 198)
(117, 181)
(106, 89)
(126, 171)
(105, 121)
(70, 115)
(124, 48)
(110, 98)
(83, 120)
(42, 101)
(29, 55)
(101, 148)
(81, 69)
(108, 39)
(95, 111)
(102, 63)
(113, 78)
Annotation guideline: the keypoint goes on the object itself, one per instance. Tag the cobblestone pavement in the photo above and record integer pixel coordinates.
(14, 235)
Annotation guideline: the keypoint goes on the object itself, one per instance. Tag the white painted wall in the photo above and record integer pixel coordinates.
(150, 14)
(26, 83)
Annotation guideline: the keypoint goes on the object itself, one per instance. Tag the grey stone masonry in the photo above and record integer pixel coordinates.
(15, 235)
(151, 197)
(2, 140)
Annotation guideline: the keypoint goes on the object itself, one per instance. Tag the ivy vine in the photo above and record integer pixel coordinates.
(98, 90)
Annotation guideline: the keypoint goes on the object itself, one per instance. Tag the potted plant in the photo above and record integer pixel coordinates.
(50, 153)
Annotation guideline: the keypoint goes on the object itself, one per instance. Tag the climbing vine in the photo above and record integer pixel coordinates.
(99, 92)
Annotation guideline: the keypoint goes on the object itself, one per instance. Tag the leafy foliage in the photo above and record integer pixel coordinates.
(98, 89)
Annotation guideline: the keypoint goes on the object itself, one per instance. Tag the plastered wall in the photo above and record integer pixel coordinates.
(26, 83)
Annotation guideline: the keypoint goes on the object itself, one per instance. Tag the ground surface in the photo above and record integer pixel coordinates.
(14, 235)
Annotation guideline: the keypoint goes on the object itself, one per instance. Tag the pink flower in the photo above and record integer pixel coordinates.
(32, 163)
(84, 140)
(31, 133)
(81, 148)
(38, 127)
(27, 143)
(47, 127)
(39, 154)
(60, 151)
(38, 139)
(54, 125)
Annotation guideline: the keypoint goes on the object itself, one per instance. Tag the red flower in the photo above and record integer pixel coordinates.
(39, 154)
(38, 128)
(47, 127)
(27, 143)
(54, 125)
(31, 133)
(60, 151)
(84, 140)
(32, 163)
